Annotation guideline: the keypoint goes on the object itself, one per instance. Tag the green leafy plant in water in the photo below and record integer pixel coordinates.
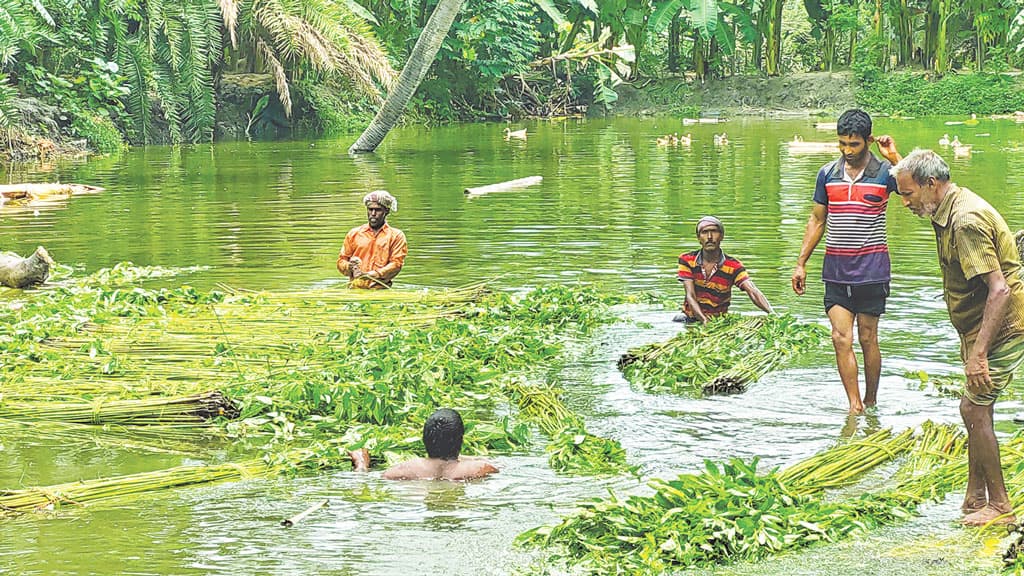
(573, 450)
(731, 512)
(948, 386)
(722, 356)
(370, 381)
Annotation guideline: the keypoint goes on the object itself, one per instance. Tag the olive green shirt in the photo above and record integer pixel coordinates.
(973, 240)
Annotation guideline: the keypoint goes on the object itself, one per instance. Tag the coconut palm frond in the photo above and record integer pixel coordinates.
(324, 36)
(361, 55)
(311, 44)
(280, 77)
(370, 62)
(229, 13)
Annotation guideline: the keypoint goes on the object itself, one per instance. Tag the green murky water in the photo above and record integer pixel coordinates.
(614, 208)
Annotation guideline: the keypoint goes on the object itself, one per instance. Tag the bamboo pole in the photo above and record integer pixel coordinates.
(503, 186)
(289, 522)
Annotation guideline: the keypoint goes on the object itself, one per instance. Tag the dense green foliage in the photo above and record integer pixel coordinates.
(151, 69)
(915, 94)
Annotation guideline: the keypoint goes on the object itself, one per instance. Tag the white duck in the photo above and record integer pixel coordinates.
(944, 141)
(961, 150)
(520, 134)
(721, 139)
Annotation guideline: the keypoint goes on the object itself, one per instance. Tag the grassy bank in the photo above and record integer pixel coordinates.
(909, 92)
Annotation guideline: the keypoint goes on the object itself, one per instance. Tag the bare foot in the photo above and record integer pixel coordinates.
(360, 459)
(974, 501)
(989, 515)
(972, 506)
(858, 409)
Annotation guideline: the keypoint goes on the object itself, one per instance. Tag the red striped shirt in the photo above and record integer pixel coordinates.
(714, 293)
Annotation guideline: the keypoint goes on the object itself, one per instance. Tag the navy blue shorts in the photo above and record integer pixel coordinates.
(860, 299)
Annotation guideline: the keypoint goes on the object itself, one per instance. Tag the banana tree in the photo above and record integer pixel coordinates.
(770, 24)
(937, 33)
(703, 17)
(901, 15)
(415, 69)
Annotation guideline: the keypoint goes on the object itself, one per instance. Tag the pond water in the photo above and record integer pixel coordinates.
(614, 209)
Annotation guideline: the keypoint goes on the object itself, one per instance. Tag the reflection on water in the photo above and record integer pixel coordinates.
(613, 208)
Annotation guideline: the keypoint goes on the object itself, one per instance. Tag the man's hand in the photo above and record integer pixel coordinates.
(887, 147)
(354, 269)
(979, 381)
(799, 280)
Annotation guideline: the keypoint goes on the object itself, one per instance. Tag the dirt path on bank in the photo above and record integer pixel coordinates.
(794, 95)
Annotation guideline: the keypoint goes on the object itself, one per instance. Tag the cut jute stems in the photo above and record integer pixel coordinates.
(289, 522)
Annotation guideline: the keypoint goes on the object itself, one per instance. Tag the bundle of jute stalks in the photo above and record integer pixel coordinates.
(721, 357)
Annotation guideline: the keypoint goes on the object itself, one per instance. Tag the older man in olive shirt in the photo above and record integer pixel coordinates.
(985, 298)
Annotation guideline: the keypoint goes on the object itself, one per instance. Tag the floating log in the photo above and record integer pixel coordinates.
(20, 194)
(692, 121)
(18, 272)
(801, 147)
(502, 186)
(289, 522)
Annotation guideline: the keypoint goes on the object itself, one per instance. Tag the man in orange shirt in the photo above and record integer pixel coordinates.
(373, 254)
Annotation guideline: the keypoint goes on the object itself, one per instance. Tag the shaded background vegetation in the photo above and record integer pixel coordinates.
(142, 71)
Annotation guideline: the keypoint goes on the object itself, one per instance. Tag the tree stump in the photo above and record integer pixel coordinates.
(18, 272)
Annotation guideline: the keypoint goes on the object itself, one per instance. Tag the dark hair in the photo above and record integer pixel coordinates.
(442, 434)
(854, 122)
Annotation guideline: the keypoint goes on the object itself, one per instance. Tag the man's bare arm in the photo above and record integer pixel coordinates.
(691, 299)
(976, 366)
(756, 296)
(812, 235)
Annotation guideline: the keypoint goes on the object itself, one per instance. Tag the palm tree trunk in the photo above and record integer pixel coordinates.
(409, 80)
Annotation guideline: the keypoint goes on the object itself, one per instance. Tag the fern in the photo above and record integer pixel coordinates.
(137, 66)
(185, 39)
(20, 28)
(8, 112)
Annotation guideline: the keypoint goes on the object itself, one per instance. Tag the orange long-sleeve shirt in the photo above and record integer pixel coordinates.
(382, 251)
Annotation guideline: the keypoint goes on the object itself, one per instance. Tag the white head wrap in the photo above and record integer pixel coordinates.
(710, 220)
(383, 198)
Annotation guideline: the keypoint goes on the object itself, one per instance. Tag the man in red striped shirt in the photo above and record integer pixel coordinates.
(850, 198)
(709, 275)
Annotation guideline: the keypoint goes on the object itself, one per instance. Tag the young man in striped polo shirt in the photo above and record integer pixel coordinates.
(709, 275)
(985, 297)
(850, 198)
